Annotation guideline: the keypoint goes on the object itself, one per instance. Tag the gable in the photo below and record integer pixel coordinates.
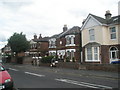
(90, 22)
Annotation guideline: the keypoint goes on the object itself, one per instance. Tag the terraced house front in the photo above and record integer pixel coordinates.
(101, 39)
(66, 45)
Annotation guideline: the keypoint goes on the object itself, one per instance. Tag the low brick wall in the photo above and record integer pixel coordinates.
(43, 64)
(102, 67)
(75, 65)
(71, 65)
(27, 60)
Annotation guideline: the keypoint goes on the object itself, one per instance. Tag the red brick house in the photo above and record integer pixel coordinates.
(67, 44)
(39, 46)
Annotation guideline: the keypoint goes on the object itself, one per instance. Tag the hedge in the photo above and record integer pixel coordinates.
(46, 59)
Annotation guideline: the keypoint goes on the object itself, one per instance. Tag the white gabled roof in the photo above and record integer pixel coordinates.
(96, 19)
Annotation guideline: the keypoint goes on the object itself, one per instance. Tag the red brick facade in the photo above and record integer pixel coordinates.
(73, 47)
(104, 54)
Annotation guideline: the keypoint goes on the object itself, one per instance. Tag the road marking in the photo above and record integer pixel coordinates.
(84, 84)
(13, 69)
(35, 74)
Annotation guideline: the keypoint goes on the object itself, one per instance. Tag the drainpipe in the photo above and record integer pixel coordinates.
(80, 47)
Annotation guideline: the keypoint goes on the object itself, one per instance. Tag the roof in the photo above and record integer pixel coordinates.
(45, 39)
(100, 19)
(73, 30)
(54, 36)
(113, 20)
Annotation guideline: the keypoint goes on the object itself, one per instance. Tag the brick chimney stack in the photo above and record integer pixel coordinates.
(65, 28)
(35, 36)
(108, 15)
(40, 36)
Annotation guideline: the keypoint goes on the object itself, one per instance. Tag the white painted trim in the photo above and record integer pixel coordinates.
(92, 60)
(110, 54)
(70, 45)
(70, 36)
(52, 51)
(86, 60)
(61, 51)
(71, 50)
(86, 21)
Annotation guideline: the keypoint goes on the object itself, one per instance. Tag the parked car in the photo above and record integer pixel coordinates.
(6, 82)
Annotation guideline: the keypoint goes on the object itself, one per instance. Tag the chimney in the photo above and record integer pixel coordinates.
(35, 36)
(40, 36)
(65, 28)
(108, 15)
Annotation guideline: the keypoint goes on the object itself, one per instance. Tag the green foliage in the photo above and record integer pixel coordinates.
(18, 43)
(47, 59)
(73, 59)
(67, 59)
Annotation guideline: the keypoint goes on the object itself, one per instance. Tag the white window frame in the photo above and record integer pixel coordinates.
(71, 52)
(113, 51)
(91, 34)
(72, 42)
(52, 43)
(93, 54)
(112, 33)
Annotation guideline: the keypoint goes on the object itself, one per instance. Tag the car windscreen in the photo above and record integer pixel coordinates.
(2, 68)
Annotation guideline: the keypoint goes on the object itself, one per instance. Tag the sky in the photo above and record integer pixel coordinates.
(47, 17)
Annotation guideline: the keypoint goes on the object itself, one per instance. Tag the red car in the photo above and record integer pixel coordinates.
(6, 82)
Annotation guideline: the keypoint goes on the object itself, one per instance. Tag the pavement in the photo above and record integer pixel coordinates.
(92, 73)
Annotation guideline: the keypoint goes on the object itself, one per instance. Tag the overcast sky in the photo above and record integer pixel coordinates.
(47, 17)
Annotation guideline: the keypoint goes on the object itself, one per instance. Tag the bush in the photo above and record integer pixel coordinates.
(73, 59)
(67, 59)
(46, 59)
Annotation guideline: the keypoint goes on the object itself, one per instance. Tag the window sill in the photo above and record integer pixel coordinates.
(70, 45)
(92, 60)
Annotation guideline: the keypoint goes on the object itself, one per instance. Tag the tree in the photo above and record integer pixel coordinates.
(18, 43)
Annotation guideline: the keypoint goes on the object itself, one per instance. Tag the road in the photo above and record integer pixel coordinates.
(27, 76)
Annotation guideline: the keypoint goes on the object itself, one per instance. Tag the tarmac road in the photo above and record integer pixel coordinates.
(28, 76)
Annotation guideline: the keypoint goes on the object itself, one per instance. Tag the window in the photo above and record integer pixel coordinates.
(113, 53)
(112, 33)
(91, 34)
(68, 54)
(92, 54)
(70, 40)
(89, 53)
(52, 43)
(60, 42)
(95, 53)
(72, 54)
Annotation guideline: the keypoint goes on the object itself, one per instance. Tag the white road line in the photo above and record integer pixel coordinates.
(84, 84)
(13, 69)
(35, 74)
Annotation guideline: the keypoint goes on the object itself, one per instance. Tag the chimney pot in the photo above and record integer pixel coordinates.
(65, 28)
(108, 15)
(35, 36)
(40, 36)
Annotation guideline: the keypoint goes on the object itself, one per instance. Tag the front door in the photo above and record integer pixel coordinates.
(113, 54)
